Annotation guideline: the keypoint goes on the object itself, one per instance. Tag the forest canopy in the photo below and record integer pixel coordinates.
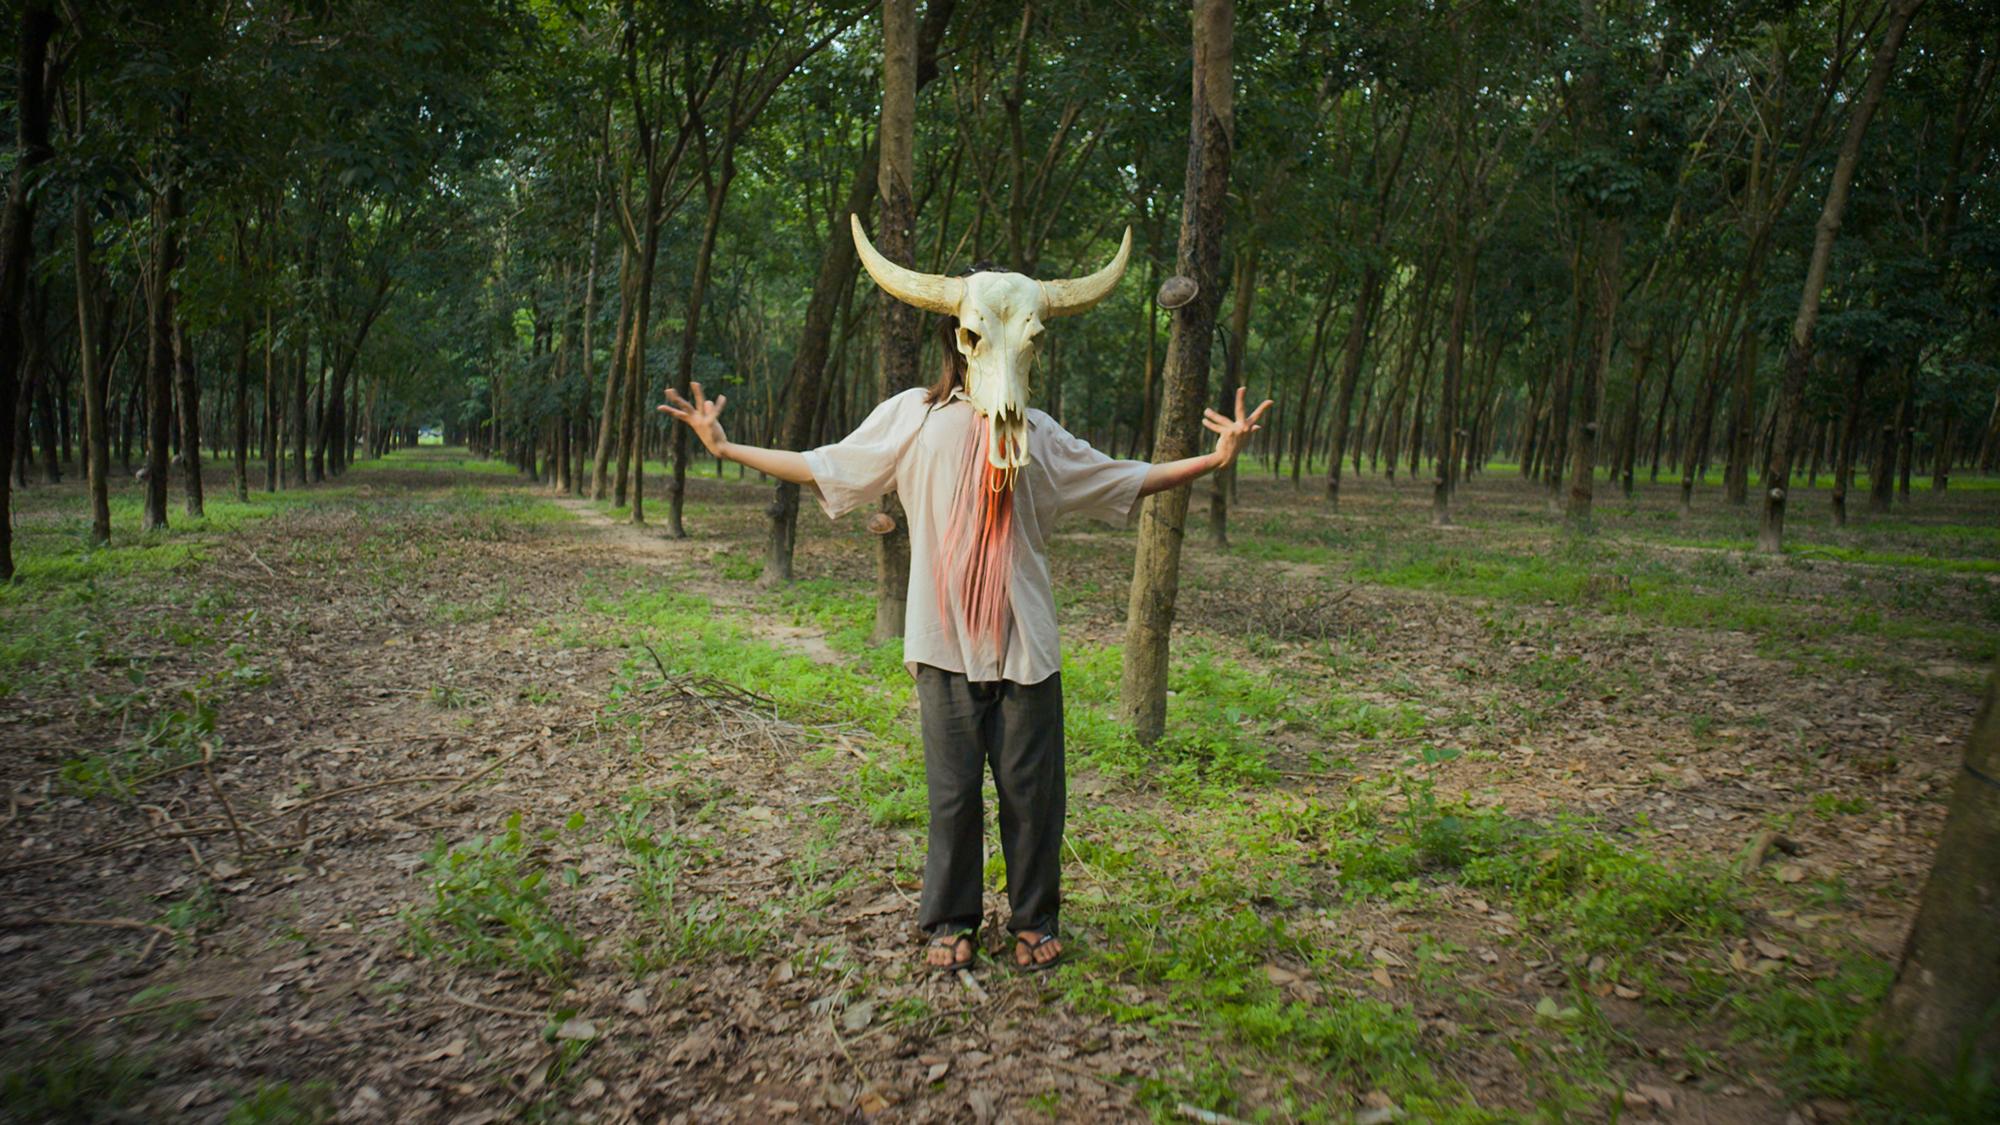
(303, 232)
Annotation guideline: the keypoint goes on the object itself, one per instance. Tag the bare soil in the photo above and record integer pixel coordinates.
(425, 676)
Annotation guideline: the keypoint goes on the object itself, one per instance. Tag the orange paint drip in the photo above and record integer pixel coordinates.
(976, 565)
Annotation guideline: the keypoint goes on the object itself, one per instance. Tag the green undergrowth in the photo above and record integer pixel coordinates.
(1652, 590)
(490, 906)
(675, 925)
(72, 1082)
(1182, 919)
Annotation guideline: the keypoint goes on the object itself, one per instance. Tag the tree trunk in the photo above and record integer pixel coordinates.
(242, 419)
(1628, 436)
(1938, 1013)
(93, 370)
(1941, 452)
(1850, 433)
(899, 334)
(1156, 571)
(160, 360)
(188, 384)
(1219, 484)
(1464, 273)
(691, 332)
(17, 230)
(1799, 349)
(608, 427)
(1587, 427)
(301, 419)
(586, 357)
(1312, 390)
(807, 378)
(273, 448)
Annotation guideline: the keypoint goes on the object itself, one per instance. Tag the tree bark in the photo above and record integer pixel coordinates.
(188, 392)
(1465, 273)
(160, 359)
(273, 448)
(608, 427)
(93, 370)
(1799, 348)
(807, 378)
(17, 242)
(1163, 516)
(242, 409)
(718, 197)
(1351, 354)
(1588, 423)
(899, 326)
(1219, 484)
(1938, 1013)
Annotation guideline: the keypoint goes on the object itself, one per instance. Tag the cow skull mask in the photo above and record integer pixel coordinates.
(999, 315)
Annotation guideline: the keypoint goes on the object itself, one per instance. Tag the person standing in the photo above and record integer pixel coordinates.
(980, 632)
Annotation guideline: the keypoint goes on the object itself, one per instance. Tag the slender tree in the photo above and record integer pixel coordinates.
(1163, 516)
(1799, 347)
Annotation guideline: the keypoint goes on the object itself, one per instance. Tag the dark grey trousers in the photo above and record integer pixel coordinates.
(1018, 730)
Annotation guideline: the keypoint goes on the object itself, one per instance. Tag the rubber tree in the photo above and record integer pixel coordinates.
(900, 330)
(1799, 347)
(1163, 516)
(1940, 1011)
(17, 227)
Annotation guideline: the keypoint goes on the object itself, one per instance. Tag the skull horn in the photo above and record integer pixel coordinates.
(1074, 295)
(925, 290)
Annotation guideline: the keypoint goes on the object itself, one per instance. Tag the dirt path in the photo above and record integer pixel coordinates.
(469, 845)
(422, 675)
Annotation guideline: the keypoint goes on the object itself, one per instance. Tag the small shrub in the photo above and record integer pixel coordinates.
(490, 908)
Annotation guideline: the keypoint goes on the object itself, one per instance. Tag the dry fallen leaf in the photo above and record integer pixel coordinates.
(1658, 1095)
(450, 1050)
(858, 1016)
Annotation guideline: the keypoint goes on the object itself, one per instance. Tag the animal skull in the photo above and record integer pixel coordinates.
(999, 315)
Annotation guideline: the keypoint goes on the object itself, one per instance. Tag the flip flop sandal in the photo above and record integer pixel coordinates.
(950, 941)
(1032, 944)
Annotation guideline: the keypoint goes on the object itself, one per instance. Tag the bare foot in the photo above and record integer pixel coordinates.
(1030, 948)
(949, 949)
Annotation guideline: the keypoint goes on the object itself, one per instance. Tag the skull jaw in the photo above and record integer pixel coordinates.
(1006, 411)
(1007, 441)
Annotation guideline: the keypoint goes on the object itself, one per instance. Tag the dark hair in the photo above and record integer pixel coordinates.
(951, 374)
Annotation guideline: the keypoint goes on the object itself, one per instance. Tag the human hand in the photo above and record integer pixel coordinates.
(1231, 433)
(701, 415)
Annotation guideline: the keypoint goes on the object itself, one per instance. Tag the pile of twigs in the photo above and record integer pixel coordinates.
(736, 713)
(1300, 615)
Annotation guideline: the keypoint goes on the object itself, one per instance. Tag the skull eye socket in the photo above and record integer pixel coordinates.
(968, 339)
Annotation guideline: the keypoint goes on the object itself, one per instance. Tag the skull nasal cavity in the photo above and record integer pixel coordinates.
(969, 337)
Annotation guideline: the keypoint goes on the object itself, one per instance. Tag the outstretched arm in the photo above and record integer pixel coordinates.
(1230, 434)
(702, 416)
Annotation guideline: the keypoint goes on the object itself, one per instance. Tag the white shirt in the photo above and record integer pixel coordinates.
(915, 449)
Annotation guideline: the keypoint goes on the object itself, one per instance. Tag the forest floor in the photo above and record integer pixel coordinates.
(428, 795)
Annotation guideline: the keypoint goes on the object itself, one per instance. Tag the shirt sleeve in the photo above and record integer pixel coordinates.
(859, 468)
(1088, 482)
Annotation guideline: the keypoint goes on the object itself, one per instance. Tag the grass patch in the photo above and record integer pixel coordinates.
(490, 907)
(73, 1082)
